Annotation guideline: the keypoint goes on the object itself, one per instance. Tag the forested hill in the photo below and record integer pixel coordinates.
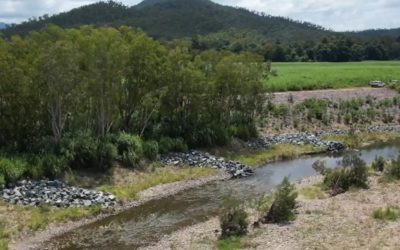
(3, 25)
(168, 19)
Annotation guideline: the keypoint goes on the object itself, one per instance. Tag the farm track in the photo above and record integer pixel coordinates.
(334, 94)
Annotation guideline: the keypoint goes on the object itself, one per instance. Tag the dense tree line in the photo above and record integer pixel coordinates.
(103, 80)
(328, 49)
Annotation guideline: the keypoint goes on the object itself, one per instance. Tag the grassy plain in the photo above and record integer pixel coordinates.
(310, 76)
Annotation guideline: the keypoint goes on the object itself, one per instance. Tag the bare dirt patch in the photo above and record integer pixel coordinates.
(335, 94)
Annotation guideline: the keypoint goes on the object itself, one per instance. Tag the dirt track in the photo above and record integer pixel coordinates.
(335, 94)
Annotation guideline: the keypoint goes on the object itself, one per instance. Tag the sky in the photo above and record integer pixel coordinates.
(338, 15)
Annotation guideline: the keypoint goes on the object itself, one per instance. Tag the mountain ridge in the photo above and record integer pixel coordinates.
(171, 19)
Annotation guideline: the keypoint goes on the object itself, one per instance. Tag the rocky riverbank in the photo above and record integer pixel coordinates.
(315, 139)
(296, 139)
(195, 158)
(56, 194)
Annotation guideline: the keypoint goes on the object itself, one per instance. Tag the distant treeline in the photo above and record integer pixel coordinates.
(338, 48)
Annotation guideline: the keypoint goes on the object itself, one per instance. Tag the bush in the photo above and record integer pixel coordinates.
(12, 169)
(2, 181)
(130, 158)
(354, 173)
(87, 152)
(393, 169)
(49, 165)
(106, 154)
(150, 149)
(168, 144)
(282, 208)
(378, 164)
(234, 223)
(127, 142)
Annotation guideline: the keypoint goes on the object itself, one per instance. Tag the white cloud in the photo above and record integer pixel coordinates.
(336, 15)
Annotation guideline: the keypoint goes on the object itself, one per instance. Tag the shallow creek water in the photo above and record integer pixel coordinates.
(143, 225)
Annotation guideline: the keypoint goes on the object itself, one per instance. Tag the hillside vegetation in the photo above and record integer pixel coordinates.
(203, 25)
(175, 19)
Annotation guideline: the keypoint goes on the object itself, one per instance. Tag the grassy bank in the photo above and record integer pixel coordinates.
(143, 181)
(364, 139)
(276, 153)
(310, 76)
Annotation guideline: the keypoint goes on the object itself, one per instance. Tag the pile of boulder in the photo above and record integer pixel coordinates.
(195, 158)
(55, 194)
(296, 139)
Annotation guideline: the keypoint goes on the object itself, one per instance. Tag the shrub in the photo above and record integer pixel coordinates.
(389, 213)
(234, 223)
(49, 165)
(168, 144)
(379, 163)
(106, 153)
(393, 169)
(127, 142)
(86, 152)
(130, 158)
(12, 169)
(282, 208)
(354, 173)
(150, 149)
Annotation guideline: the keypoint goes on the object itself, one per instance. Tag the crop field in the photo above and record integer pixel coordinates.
(310, 76)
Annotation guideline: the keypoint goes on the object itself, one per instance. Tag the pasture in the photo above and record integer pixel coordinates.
(309, 76)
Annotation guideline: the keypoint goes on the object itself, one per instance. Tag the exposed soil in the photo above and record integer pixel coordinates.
(335, 94)
(341, 222)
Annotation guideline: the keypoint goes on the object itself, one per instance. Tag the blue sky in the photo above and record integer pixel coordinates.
(339, 15)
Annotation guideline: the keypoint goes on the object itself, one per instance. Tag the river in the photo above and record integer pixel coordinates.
(143, 225)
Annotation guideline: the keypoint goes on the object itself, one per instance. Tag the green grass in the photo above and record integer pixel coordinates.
(277, 152)
(40, 217)
(231, 243)
(4, 235)
(309, 76)
(389, 213)
(159, 176)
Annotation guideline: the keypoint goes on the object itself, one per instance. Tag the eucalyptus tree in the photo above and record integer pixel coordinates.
(144, 78)
(104, 51)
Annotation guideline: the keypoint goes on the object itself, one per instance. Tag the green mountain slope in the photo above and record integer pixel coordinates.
(176, 18)
(169, 19)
